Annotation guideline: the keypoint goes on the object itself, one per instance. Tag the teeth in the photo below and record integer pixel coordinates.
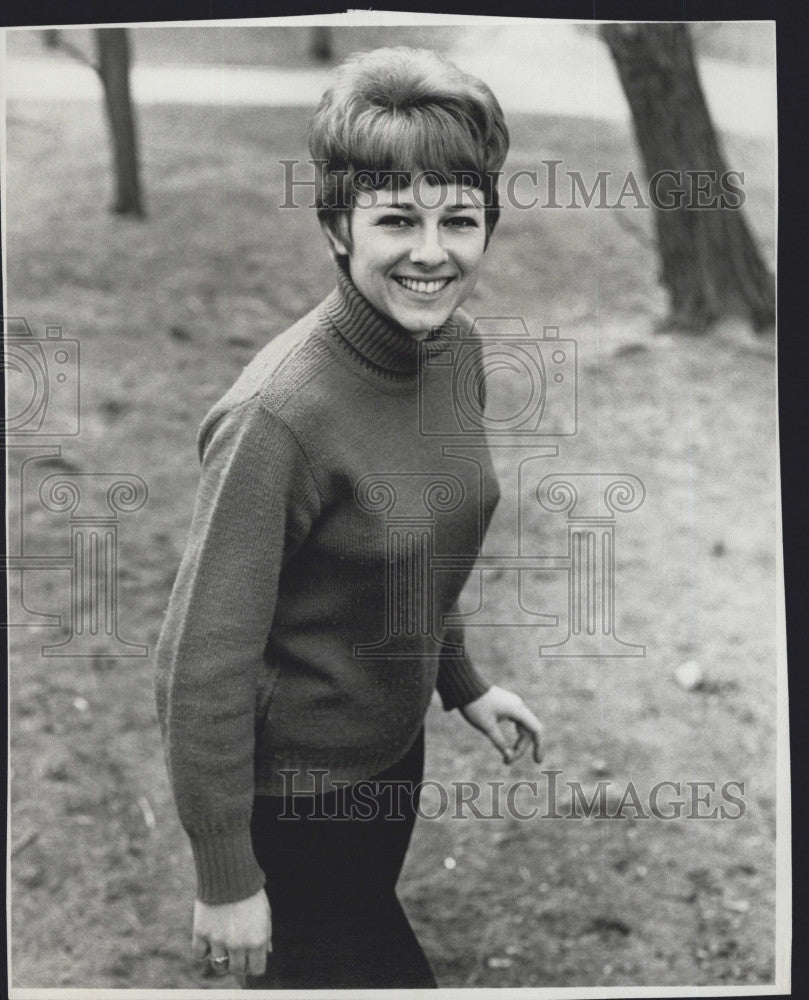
(425, 287)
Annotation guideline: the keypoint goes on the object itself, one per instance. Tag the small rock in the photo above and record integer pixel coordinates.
(499, 962)
(450, 864)
(81, 704)
(689, 675)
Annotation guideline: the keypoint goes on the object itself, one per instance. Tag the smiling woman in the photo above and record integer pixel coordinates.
(305, 637)
(415, 264)
(411, 149)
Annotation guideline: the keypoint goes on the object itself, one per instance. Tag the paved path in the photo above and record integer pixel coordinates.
(551, 68)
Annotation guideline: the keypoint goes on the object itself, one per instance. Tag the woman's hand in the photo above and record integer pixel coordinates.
(486, 712)
(237, 931)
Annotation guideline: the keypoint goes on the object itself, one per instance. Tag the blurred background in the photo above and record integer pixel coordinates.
(162, 266)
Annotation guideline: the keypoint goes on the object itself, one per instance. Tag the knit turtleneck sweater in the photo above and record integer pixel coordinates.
(306, 628)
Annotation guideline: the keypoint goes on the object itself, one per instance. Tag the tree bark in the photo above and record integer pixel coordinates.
(710, 264)
(112, 46)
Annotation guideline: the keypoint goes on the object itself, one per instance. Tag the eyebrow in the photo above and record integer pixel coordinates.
(407, 206)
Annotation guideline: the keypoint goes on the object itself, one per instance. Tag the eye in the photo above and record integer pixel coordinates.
(462, 222)
(394, 221)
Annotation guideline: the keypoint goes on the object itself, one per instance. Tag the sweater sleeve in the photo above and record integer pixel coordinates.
(458, 682)
(256, 500)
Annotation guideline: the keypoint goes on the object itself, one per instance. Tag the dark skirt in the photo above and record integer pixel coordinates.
(331, 863)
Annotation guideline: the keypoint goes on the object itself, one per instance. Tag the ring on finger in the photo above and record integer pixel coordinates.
(220, 962)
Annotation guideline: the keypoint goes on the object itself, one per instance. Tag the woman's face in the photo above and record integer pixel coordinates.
(415, 252)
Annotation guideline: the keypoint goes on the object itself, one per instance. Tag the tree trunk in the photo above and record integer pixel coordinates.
(710, 264)
(112, 46)
(320, 47)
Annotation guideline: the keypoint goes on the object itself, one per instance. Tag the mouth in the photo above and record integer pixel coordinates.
(422, 286)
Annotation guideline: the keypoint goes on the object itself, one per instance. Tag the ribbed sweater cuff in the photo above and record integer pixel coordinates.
(227, 870)
(459, 683)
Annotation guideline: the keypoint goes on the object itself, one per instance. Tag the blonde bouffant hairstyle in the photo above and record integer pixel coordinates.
(396, 112)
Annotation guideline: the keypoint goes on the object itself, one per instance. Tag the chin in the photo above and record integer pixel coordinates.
(423, 323)
(416, 320)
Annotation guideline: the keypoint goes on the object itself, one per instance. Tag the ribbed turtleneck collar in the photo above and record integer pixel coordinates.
(384, 345)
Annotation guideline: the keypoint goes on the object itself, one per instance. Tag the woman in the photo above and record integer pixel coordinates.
(307, 629)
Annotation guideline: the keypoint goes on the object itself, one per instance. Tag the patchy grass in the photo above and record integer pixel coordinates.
(167, 312)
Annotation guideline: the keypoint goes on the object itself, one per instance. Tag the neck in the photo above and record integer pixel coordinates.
(383, 344)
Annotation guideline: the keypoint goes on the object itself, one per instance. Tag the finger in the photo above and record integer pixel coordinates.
(199, 946)
(218, 953)
(237, 962)
(496, 736)
(526, 720)
(524, 740)
(257, 961)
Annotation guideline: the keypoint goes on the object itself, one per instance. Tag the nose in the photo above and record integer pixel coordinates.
(429, 251)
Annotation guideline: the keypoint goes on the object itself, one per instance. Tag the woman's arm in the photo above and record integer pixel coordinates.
(256, 498)
(483, 705)
(458, 682)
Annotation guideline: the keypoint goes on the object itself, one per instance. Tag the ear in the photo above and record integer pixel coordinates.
(338, 235)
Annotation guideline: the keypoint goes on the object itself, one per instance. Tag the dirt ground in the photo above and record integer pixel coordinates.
(167, 312)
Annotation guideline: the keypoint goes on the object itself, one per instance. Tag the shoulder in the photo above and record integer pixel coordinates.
(275, 376)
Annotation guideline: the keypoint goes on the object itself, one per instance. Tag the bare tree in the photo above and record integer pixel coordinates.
(112, 46)
(113, 54)
(710, 264)
(320, 43)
